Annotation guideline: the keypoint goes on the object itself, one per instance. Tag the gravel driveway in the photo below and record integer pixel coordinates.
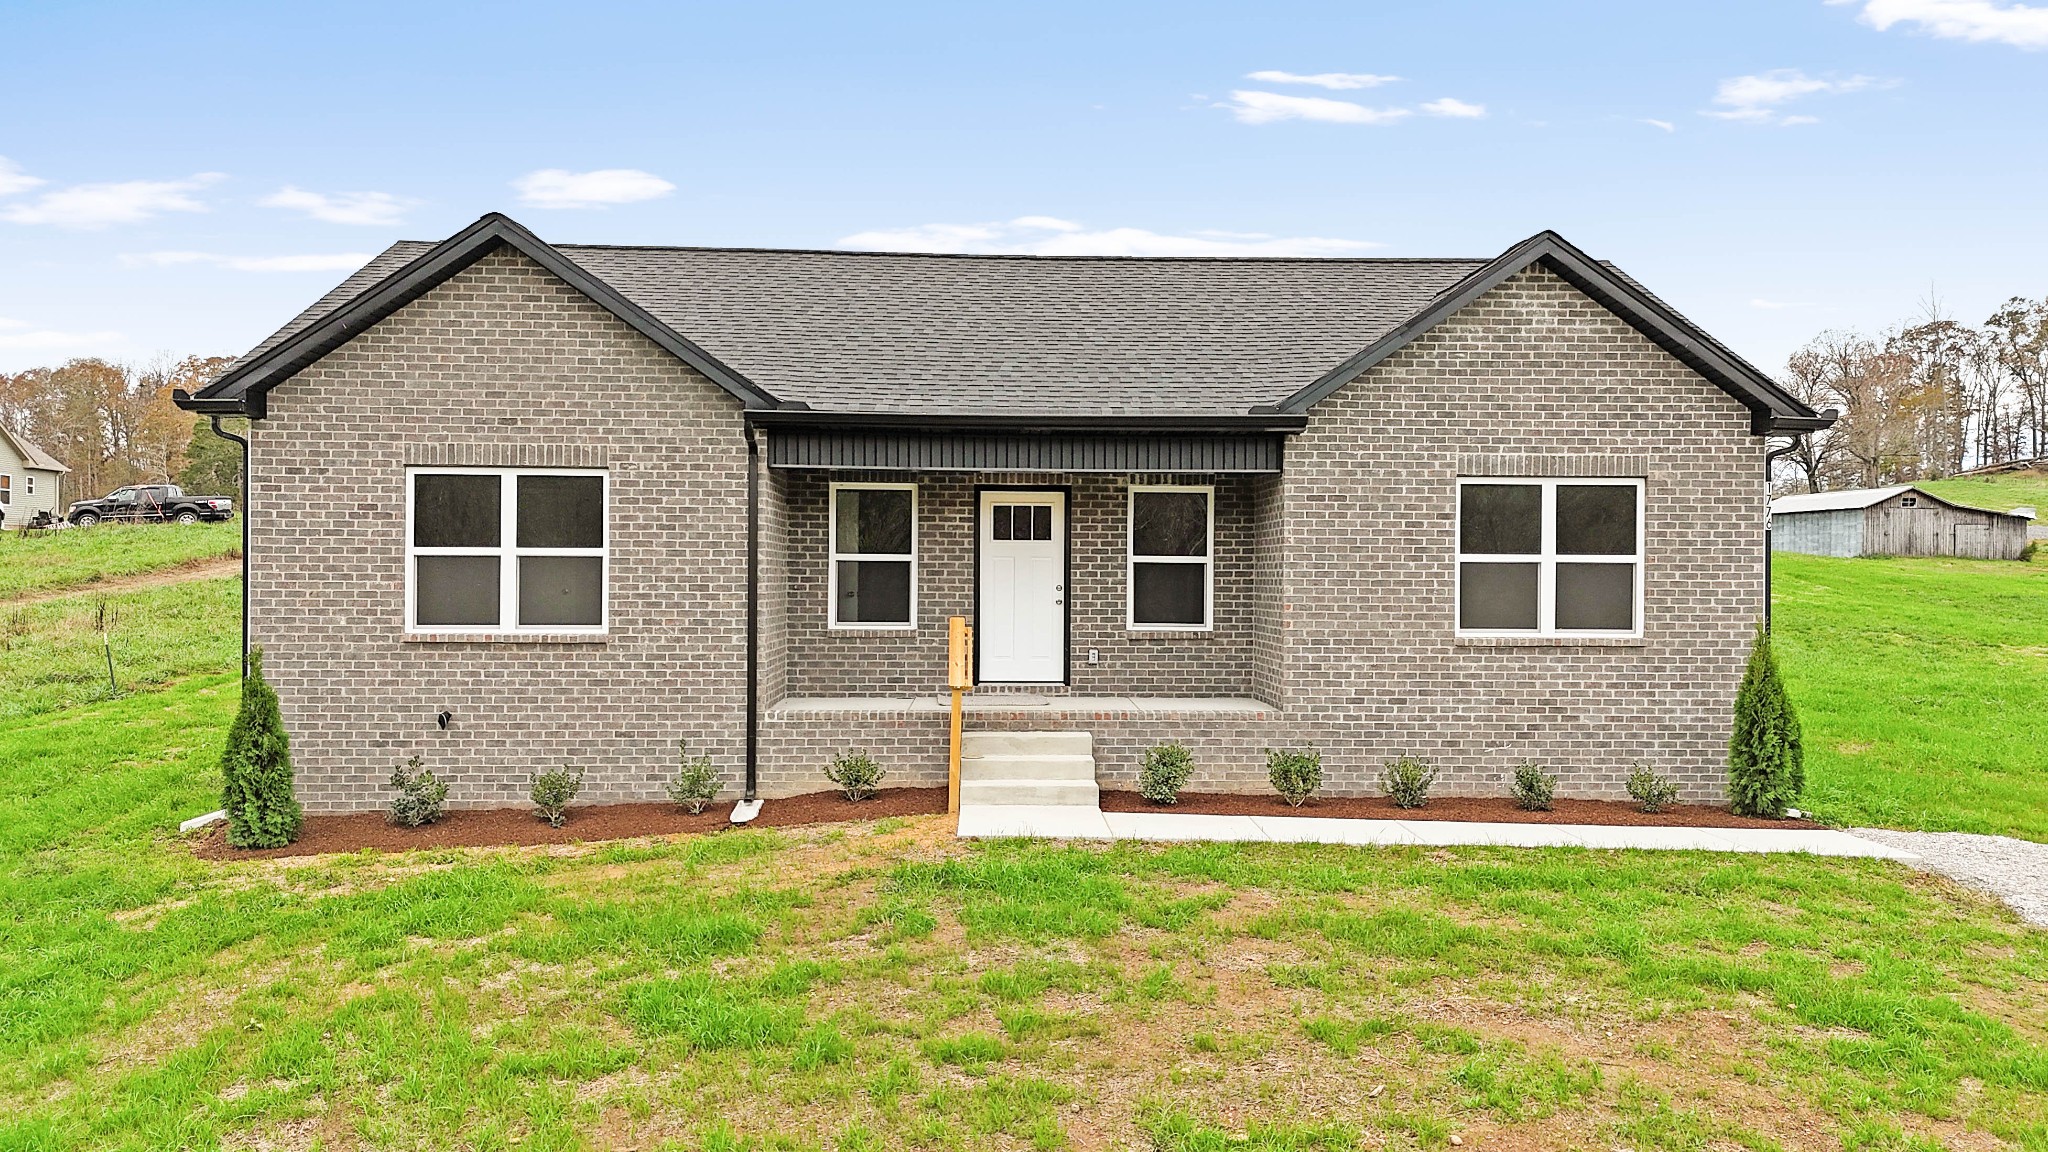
(2015, 871)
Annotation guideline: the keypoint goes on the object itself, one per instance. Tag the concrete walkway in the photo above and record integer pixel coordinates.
(1077, 822)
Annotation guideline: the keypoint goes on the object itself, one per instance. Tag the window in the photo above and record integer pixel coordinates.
(31, 484)
(1908, 501)
(1550, 557)
(1172, 574)
(497, 550)
(7, 489)
(874, 556)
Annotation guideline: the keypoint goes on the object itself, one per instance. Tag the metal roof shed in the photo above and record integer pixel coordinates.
(1901, 520)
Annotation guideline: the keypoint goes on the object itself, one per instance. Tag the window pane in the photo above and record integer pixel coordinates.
(561, 511)
(1041, 522)
(874, 592)
(455, 590)
(1168, 593)
(1495, 596)
(1169, 524)
(1003, 521)
(1596, 519)
(561, 590)
(875, 521)
(1500, 518)
(1596, 596)
(450, 511)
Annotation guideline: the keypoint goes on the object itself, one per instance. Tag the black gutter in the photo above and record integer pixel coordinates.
(753, 612)
(214, 420)
(790, 416)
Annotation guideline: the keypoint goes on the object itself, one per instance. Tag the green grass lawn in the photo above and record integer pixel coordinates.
(882, 986)
(51, 657)
(2000, 492)
(1922, 685)
(77, 557)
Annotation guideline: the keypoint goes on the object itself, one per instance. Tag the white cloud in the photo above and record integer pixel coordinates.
(13, 179)
(1978, 21)
(373, 208)
(561, 188)
(1666, 125)
(102, 205)
(1338, 81)
(1030, 236)
(1457, 108)
(19, 335)
(1757, 99)
(311, 262)
(1267, 107)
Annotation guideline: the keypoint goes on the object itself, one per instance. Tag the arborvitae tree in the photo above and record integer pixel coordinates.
(1766, 764)
(256, 770)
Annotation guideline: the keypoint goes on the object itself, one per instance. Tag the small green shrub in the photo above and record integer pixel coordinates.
(256, 769)
(1165, 772)
(1534, 788)
(856, 774)
(2032, 550)
(421, 795)
(552, 792)
(1766, 759)
(1651, 791)
(1296, 773)
(1407, 781)
(695, 784)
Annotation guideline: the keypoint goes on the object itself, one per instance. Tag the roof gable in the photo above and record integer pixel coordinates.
(1771, 408)
(31, 456)
(1851, 499)
(244, 385)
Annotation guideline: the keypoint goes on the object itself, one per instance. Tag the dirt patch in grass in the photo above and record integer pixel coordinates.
(494, 827)
(1493, 809)
(198, 568)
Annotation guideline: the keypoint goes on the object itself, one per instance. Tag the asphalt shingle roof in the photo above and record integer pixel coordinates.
(892, 332)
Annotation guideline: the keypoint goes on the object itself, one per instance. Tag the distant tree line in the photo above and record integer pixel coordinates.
(1925, 399)
(114, 424)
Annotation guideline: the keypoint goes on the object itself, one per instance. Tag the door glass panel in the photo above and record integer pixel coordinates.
(1500, 518)
(1169, 524)
(561, 511)
(1497, 596)
(873, 521)
(561, 590)
(1003, 522)
(1041, 521)
(1596, 519)
(455, 511)
(456, 590)
(1167, 594)
(1596, 596)
(874, 591)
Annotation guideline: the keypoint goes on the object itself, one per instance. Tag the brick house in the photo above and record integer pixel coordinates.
(590, 501)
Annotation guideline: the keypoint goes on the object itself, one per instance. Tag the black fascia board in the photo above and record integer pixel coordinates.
(1026, 423)
(1765, 400)
(434, 267)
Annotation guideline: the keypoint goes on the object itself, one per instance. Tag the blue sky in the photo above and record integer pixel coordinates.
(182, 178)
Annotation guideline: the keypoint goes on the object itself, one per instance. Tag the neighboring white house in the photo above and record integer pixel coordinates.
(31, 480)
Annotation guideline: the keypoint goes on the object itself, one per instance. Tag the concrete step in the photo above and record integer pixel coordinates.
(1036, 766)
(976, 745)
(1037, 792)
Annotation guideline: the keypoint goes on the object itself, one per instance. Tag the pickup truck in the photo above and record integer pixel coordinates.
(150, 503)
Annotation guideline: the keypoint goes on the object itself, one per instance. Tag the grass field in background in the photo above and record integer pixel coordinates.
(76, 557)
(1923, 688)
(884, 986)
(51, 657)
(2000, 492)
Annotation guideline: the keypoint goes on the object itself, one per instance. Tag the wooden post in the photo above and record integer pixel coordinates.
(959, 678)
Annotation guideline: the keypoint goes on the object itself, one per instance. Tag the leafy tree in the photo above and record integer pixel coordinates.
(213, 466)
(1766, 762)
(256, 769)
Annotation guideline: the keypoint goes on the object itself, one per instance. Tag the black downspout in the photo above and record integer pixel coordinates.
(227, 435)
(753, 612)
(1770, 460)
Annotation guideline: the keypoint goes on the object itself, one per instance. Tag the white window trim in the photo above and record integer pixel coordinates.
(1546, 561)
(833, 556)
(508, 553)
(7, 488)
(1131, 560)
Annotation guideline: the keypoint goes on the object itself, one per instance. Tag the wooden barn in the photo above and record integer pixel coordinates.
(1897, 521)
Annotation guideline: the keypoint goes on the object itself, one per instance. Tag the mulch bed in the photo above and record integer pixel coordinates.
(1495, 809)
(492, 827)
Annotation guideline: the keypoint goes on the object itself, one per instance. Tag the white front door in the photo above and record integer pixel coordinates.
(1023, 612)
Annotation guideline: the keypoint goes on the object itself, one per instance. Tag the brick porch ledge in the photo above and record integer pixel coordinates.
(1051, 708)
